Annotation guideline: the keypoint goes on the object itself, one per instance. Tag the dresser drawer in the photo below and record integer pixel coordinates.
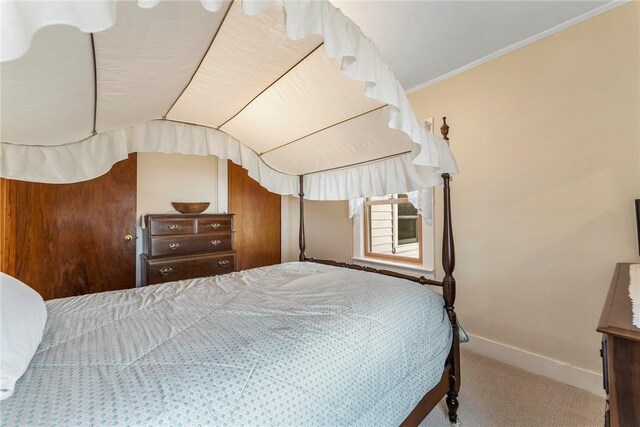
(183, 245)
(210, 224)
(160, 270)
(160, 226)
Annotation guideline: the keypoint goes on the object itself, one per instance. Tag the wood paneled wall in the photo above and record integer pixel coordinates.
(257, 220)
(7, 226)
(69, 239)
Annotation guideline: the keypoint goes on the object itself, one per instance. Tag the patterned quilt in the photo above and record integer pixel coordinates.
(296, 344)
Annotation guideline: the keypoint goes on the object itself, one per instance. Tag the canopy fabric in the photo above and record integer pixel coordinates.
(284, 88)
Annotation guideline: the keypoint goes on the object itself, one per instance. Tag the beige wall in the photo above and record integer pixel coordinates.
(547, 139)
(165, 178)
(548, 143)
(328, 230)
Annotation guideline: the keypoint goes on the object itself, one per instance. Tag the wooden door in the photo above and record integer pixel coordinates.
(69, 239)
(257, 220)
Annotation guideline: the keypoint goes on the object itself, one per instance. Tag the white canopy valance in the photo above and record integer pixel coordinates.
(284, 88)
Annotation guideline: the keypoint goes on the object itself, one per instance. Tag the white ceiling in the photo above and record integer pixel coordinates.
(425, 40)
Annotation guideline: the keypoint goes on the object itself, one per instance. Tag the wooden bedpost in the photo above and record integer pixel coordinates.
(449, 290)
(301, 237)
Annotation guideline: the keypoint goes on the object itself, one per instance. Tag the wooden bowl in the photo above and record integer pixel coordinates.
(190, 207)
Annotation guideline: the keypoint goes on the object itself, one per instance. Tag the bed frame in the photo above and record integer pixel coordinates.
(449, 384)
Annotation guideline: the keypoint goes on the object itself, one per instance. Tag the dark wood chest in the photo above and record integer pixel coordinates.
(620, 353)
(180, 246)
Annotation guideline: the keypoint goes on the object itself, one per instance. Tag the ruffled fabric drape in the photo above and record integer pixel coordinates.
(422, 200)
(389, 176)
(394, 175)
(104, 149)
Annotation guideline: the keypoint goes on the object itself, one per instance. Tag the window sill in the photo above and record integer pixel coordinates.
(398, 266)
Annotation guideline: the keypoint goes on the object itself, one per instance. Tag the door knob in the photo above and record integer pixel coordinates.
(128, 238)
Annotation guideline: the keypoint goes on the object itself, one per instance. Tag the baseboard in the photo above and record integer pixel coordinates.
(536, 363)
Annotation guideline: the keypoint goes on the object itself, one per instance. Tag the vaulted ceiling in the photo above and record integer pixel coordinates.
(426, 40)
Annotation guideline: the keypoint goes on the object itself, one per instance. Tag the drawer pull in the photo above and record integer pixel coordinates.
(215, 225)
(224, 263)
(165, 271)
(216, 242)
(174, 226)
(174, 246)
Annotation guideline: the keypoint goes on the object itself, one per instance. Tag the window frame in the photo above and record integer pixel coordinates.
(415, 262)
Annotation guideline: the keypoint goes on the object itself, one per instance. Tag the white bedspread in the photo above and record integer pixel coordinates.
(293, 344)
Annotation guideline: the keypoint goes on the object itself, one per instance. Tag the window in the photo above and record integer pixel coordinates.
(392, 229)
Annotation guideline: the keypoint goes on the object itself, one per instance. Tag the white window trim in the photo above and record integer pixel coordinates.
(428, 250)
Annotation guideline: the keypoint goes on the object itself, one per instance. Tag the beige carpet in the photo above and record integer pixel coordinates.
(494, 394)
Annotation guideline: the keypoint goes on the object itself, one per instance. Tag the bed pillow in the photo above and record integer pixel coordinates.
(22, 319)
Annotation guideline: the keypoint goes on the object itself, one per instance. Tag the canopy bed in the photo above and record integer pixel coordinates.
(297, 95)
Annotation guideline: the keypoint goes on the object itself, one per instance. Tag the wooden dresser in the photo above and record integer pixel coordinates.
(183, 246)
(620, 354)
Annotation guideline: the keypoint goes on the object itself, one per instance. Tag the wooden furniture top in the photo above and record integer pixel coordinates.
(181, 215)
(616, 318)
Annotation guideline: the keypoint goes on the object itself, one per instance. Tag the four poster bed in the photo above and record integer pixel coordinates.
(449, 384)
(298, 96)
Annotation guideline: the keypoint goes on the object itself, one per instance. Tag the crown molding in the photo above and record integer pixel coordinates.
(500, 52)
